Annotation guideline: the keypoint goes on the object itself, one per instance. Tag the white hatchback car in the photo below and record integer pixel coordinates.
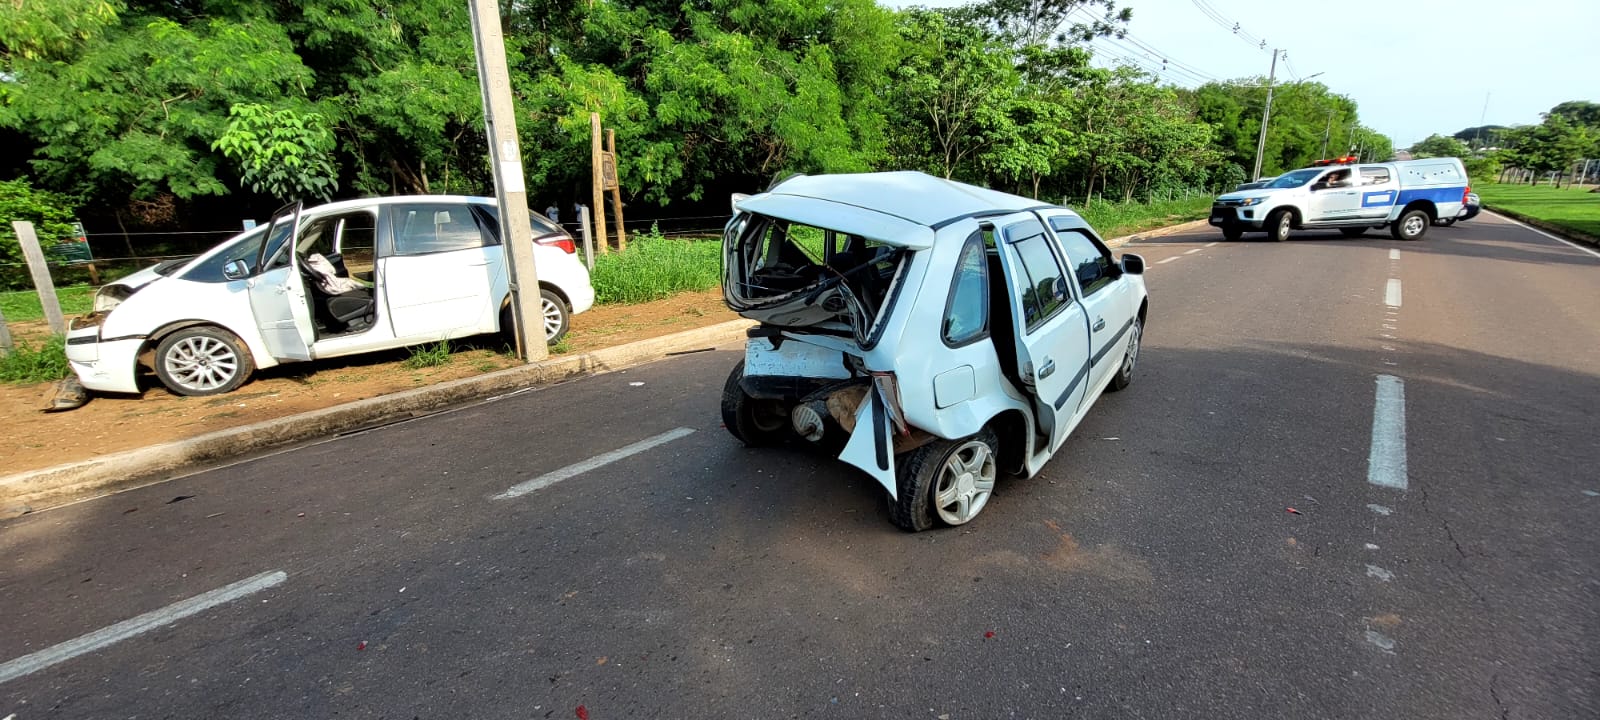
(405, 270)
(931, 333)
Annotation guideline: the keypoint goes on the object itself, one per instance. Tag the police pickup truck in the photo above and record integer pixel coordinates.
(1404, 196)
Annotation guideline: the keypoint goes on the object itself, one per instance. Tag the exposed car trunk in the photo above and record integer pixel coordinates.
(810, 279)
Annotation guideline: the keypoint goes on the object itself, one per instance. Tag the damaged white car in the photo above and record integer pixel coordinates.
(933, 334)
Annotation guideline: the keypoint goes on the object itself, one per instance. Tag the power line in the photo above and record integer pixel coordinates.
(1162, 64)
(1232, 27)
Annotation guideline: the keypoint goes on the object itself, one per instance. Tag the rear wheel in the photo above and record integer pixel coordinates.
(1411, 225)
(1279, 223)
(1353, 232)
(752, 421)
(946, 481)
(202, 360)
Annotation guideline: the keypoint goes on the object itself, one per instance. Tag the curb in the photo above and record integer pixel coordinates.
(34, 490)
(1157, 232)
(1551, 228)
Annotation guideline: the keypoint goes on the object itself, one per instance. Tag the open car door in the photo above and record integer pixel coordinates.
(277, 292)
(1052, 330)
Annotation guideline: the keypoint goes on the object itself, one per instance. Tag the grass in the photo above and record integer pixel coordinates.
(27, 364)
(23, 305)
(427, 356)
(1573, 209)
(1115, 219)
(655, 267)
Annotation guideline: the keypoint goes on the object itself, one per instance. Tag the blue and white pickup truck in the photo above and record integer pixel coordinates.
(1404, 196)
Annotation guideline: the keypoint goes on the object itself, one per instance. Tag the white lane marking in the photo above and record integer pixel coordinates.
(1170, 259)
(1394, 254)
(1386, 464)
(555, 476)
(1370, 546)
(1191, 252)
(34, 662)
(1391, 294)
(1373, 571)
(1213, 244)
(1556, 238)
(1379, 509)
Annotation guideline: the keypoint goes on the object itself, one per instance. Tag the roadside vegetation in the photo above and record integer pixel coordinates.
(28, 363)
(23, 305)
(1571, 209)
(655, 267)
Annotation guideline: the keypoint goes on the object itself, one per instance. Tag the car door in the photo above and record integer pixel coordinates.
(1334, 197)
(1052, 332)
(1108, 301)
(277, 292)
(1379, 189)
(439, 271)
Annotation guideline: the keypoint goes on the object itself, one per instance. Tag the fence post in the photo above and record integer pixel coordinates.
(588, 239)
(5, 336)
(40, 269)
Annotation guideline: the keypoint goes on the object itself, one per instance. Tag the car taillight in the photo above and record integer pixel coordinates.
(561, 241)
(1465, 192)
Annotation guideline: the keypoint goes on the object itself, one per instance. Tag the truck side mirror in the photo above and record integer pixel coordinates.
(1132, 264)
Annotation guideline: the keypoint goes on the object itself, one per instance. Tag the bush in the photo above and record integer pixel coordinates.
(26, 364)
(655, 267)
(427, 356)
(50, 214)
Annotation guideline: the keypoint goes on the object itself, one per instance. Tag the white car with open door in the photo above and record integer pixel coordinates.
(933, 334)
(359, 276)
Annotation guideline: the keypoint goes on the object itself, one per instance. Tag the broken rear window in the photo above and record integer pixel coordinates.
(804, 277)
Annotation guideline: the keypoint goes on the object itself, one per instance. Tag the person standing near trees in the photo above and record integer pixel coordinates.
(554, 213)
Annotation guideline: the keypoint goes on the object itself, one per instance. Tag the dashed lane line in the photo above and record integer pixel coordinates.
(1170, 259)
(1391, 294)
(32, 663)
(598, 461)
(1191, 252)
(1386, 463)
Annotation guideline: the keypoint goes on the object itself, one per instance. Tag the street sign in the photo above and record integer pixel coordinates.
(73, 250)
(608, 171)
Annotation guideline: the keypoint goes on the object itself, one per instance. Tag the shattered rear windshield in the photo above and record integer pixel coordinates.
(801, 276)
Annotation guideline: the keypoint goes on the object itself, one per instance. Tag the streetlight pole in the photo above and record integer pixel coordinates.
(1266, 114)
(1326, 131)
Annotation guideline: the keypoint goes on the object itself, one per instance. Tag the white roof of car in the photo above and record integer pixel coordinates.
(902, 208)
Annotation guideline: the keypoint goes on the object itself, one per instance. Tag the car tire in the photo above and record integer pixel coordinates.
(1229, 233)
(960, 472)
(1130, 358)
(1353, 232)
(203, 360)
(556, 316)
(1278, 225)
(752, 421)
(1412, 225)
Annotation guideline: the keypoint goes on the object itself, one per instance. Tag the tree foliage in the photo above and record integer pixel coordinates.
(50, 214)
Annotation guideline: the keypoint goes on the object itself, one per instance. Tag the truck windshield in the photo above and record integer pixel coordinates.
(1295, 179)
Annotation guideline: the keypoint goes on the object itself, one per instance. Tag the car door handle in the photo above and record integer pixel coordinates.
(1047, 369)
(1099, 324)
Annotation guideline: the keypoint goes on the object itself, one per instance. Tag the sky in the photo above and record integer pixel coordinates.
(1414, 67)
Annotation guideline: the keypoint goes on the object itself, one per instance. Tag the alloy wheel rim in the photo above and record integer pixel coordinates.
(1133, 349)
(202, 363)
(552, 318)
(1413, 225)
(1283, 227)
(966, 481)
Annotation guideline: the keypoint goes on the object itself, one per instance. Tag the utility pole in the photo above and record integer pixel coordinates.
(505, 159)
(1325, 133)
(1482, 117)
(1266, 114)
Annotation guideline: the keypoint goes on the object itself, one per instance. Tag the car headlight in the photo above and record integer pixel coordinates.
(110, 296)
(1247, 202)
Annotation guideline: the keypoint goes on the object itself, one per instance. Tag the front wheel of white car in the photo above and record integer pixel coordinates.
(1130, 357)
(202, 360)
(946, 481)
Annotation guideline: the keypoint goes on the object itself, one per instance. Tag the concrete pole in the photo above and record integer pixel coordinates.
(5, 336)
(1266, 114)
(39, 268)
(1326, 132)
(510, 184)
(588, 239)
(599, 185)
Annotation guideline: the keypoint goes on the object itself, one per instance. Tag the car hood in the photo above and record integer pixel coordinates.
(1247, 194)
(140, 279)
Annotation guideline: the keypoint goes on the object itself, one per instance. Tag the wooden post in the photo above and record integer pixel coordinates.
(94, 275)
(616, 189)
(599, 184)
(41, 275)
(588, 239)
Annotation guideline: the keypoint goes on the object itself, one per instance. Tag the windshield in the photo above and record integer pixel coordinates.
(244, 247)
(1295, 179)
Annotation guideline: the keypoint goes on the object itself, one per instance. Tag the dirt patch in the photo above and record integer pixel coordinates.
(31, 439)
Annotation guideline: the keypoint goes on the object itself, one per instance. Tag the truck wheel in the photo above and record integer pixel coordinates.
(1410, 226)
(202, 360)
(1353, 232)
(1278, 225)
(946, 481)
(1232, 233)
(1124, 376)
(752, 421)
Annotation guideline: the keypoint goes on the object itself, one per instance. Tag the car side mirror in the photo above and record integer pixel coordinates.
(1132, 264)
(1318, 186)
(236, 270)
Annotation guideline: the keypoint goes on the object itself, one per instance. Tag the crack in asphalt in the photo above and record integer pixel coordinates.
(1454, 570)
(1505, 713)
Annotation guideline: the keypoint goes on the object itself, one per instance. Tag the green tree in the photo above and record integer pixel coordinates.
(1440, 146)
(281, 153)
(51, 216)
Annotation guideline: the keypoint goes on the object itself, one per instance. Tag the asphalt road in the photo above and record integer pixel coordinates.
(1152, 570)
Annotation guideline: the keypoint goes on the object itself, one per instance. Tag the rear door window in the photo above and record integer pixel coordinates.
(1374, 175)
(966, 314)
(424, 229)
